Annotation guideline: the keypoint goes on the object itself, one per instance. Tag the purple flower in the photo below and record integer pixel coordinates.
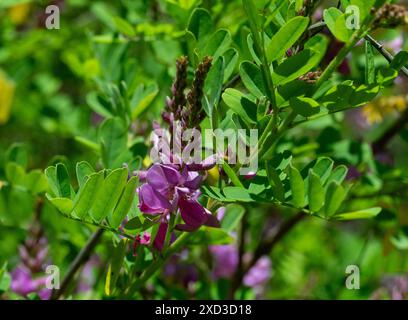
(169, 188)
(23, 283)
(87, 277)
(225, 260)
(259, 274)
(179, 270)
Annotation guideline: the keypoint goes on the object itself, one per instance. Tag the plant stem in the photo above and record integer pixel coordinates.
(381, 142)
(155, 266)
(80, 259)
(264, 248)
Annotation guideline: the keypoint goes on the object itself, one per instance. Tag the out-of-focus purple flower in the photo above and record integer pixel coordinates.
(180, 271)
(225, 260)
(392, 286)
(353, 173)
(87, 278)
(357, 120)
(169, 188)
(28, 276)
(23, 283)
(384, 157)
(396, 44)
(259, 274)
(96, 119)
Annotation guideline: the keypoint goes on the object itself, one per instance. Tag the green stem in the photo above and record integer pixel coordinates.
(158, 263)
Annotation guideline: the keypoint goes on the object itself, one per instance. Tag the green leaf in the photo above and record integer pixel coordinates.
(213, 85)
(336, 22)
(125, 203)
(335, 195)
(295, 66)
(286, 37)
(232, 175)
(338, 97)
(115, 265)
(83, 170)
(386, 76)
(364, 94)
(5, 279)
(330, 16)
(323, 168)
(113, 137)
(237, 194)
(143, 98)
(64, 185)
(369, 66)
(17, 153)
(361, 214)
(87, 194)
(15, 173)
(134, 224)
(338, 175)
(124, 27)
(88, 143)
(50, 174)
(217, 44)
(252, 78)
(200, 24)
(211, 236)
(240, 104)
(400, 60)
(231, 57)
(253, 19)
(64, 205)
(109, 194)
(275, 182)
(306, 107)
(233, 215)
(297, 187)
(36, 182)
(316, 192)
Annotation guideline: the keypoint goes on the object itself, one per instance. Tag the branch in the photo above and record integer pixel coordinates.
(381, 142)
(317, 27)
(80, 259)
(265, 248)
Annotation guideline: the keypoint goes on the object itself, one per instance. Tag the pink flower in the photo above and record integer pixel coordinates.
(169, 188)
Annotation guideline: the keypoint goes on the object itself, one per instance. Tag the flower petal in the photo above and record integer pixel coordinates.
(162, 177)
(192, 212)
(151, 201)
(160, 236)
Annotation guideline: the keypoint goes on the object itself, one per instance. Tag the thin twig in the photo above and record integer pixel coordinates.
(80, 259)
(264, 248)
(381, 142)
(376, 45)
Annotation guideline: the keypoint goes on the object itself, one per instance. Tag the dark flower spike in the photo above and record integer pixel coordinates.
(195, 112)
(391, 16)
(175, 104)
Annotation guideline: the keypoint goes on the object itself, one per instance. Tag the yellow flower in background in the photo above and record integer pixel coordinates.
(147, 161)
(19, 12)
(213, 176)
(377, 110)
(6, 97)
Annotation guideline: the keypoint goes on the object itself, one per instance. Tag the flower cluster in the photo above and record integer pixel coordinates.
(391, 16)
(26, 278)
(168, 188)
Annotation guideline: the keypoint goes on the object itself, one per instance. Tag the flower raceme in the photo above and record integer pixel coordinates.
(171, 188)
